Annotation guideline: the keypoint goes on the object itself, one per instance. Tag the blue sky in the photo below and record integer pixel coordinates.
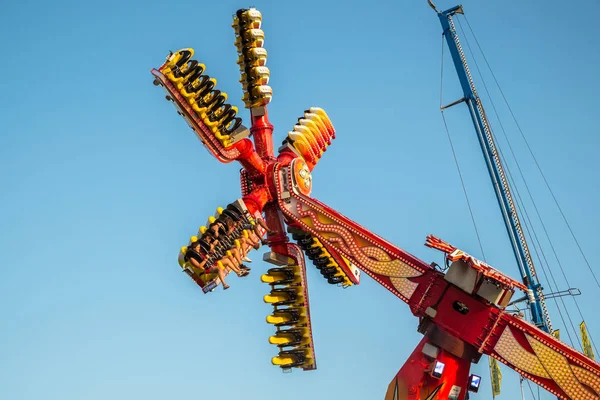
(94, 202)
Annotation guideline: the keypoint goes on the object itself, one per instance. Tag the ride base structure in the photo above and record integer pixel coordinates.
(462, 312)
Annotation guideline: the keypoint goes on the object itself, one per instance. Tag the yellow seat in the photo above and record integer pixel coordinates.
(269, 298)
(273, 277)
(282, 339)
(279, 361)
(279, 319)
(321, 127)
(310, 138)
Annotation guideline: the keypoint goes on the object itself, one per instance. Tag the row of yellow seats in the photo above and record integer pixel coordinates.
(337, 277)
(290, 317)
(188, 267)
(322, 259)
(213, 218)
(312, 134)
(252, 58)
(188, 77)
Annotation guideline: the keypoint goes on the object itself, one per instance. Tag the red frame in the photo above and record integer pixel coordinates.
(486, 329)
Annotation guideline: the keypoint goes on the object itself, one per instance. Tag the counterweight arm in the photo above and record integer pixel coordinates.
(450, 315)
(392, 267)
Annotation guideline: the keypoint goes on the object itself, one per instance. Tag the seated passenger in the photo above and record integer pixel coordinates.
(196, 256)
(235, 230)
(246, 216)
(255, 222)
(217, 227)
(252, 240)
(215, 251)
(224, 244)
(228, 240)
(263, 224)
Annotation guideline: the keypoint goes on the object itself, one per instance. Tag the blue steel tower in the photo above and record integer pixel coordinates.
(539, 312)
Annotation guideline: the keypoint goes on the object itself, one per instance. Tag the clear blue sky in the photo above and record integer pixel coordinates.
(93, 208)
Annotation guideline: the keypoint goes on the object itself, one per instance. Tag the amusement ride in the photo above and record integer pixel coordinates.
(463, 308)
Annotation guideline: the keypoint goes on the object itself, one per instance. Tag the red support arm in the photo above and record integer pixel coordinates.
(394, 268)
(450, 316)
(242, 151)
(262, 131)
(249, 159)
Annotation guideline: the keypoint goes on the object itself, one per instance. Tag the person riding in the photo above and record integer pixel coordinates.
(229, 238)
(217, 227)
(255, 222)
(245, 233)
(220, 241)
(243, 222)
(245, 215)
(201, 260)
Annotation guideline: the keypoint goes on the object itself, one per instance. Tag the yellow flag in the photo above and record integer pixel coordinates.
(496, 376)
(556, 334)
(585, 341)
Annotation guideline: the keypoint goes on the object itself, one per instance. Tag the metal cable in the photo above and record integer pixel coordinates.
(531, 389)
(515, 231)
(520, 203)
(552, 288)
(527, 187)
(534, 158)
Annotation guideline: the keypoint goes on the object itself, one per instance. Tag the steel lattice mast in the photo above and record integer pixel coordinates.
(539, 311)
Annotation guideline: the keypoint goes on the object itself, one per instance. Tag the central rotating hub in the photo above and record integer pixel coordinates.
(302, 176)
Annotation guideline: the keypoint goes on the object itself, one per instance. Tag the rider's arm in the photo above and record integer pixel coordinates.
(197, 264)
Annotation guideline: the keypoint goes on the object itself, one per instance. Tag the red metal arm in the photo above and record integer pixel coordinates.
(543, 359)
(242, 151)
(389, 265)
(262, 131)
(479, 328)
(301, 354)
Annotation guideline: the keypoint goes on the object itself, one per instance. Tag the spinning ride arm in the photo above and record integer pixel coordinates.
(461, 312)
(203, 107)
(543, 359)
(394, 268)
(291, 310)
